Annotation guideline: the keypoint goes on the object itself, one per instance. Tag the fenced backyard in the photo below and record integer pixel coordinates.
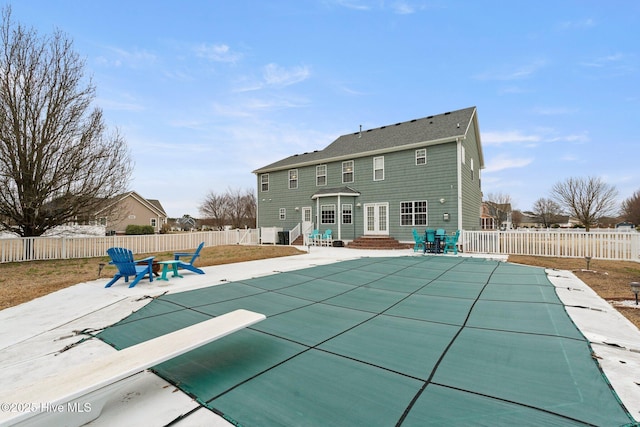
(48, 248)
(597, 244)
(573, 243)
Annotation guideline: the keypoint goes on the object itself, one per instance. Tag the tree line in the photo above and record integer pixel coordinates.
(589, 201)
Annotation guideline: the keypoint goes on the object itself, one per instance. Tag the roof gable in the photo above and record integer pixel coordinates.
(436, 129)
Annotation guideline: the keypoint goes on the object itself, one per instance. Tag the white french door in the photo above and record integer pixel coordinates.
(376, 218)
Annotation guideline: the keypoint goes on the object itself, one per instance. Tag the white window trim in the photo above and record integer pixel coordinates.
(318, 175)
(413, 213)
(331, 207)
(353, 171)
(294, 179)
(348, 206)
(264, 181)
(421, 156)
(379, 158)
(282, 214)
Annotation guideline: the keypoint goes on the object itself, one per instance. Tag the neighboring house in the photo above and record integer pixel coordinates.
(496, 215)
(131, 208)
(424, 173)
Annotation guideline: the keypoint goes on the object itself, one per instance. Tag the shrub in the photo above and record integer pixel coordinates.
(133, 229)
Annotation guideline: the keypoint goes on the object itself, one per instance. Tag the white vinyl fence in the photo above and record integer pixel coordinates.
(48, 248)
(598, 244)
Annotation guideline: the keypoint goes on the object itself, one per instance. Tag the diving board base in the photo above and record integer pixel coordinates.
(77, 396)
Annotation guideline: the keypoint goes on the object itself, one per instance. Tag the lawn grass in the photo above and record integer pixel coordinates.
(23, 281)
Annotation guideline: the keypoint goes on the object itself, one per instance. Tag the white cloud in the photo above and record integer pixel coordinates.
(570, 25)
(403, 8)
(276, 75)
(513, 72)
(554, 111)
(217, 53)
(129, 58)
(503, 162)
(603, 61)
(507, 137)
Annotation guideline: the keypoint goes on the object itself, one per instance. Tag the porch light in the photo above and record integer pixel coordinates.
(358, 205)
(635, 288)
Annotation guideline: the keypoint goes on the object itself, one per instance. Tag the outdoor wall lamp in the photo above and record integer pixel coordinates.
(297, 208)
(635, 288)
(358, 205)
(442, 201)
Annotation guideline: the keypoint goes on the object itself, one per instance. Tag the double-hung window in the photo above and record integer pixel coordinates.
(413, 213)
(321, 175)
(293, 179)
(264, 182)
(421, 156)
(378, 168)
(347, 213)
(283, 214)
(347, 171)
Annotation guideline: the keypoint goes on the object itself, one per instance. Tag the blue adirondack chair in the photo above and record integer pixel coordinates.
(189, 265)
(419, 242)
(123, 260)
(326, 237)
(451, 243)
(313, 237)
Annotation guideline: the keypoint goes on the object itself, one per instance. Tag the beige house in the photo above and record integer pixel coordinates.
(132, 208)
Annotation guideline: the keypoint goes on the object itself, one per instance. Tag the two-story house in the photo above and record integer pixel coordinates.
(424, 173)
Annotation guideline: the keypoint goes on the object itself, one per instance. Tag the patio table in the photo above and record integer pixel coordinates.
(165, 269)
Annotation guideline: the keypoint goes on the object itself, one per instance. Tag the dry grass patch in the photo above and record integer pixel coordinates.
(609, 279)
(23, 281)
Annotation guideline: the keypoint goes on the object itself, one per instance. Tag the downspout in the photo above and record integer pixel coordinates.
(459, 204)
(339, 218)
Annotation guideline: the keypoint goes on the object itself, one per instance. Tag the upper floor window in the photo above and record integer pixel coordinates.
(264, 182)
(471, 166)
(421, 156)
(321, 175)
(464, 156)
(347, 171)
(378, 168)
(293, 179)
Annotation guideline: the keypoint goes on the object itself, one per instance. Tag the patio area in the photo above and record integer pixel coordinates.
(352, 338)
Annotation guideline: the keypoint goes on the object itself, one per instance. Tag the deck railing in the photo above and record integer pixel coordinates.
(48, 248)
(598, 244)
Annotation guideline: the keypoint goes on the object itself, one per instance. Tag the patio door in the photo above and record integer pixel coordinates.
(376, 219)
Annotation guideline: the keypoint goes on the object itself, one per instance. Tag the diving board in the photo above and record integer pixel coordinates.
(77, 396)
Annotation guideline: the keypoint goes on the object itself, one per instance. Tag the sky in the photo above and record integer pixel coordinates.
(205, 92)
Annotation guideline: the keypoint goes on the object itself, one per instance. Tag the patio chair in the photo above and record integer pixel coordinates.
(326, 238)
(430, 241)
(123, 260)
(441, 234)
(313, 237)
(419, 242)
(189, 265)
(451, 243)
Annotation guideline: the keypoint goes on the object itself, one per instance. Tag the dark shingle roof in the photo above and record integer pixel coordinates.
(432, 129)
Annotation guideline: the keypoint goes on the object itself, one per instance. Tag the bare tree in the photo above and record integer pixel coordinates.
(631, 208)
(586, 199)
(499, 207)
(547, 211)
(214, 208)
(57, 161)
(236, 208)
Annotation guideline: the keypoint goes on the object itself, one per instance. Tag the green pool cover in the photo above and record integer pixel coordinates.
(411, 341)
